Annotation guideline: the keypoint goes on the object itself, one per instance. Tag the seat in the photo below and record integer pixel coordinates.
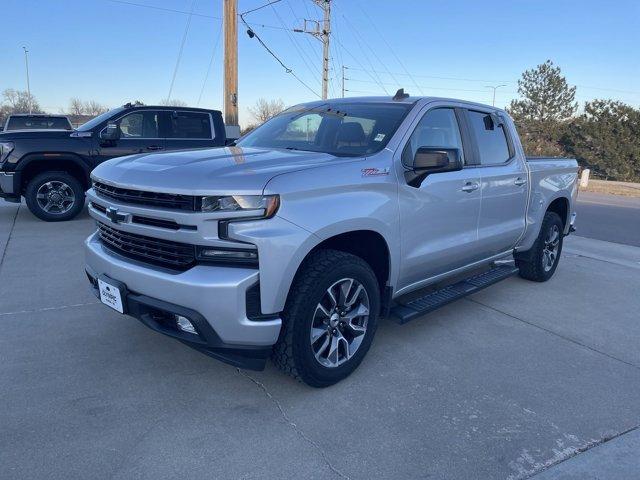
(351, 134)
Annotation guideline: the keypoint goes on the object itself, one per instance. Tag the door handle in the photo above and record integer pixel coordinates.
(155, 147)
(470, 187)
(520, 181)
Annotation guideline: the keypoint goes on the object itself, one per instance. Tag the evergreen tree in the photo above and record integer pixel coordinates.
(606, 139)
(547, 104)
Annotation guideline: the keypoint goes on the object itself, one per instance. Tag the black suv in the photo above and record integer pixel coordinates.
(51, 168)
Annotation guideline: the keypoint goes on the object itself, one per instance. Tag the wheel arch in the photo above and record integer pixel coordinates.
(35, 164)
(560, 206)
(369, 245)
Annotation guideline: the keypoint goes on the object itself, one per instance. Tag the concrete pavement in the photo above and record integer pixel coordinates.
(519, 379)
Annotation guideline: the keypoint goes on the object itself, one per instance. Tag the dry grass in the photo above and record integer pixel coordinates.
(613, 188)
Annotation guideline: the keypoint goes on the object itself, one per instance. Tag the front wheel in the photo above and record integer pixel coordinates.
(330, 318)
(54, 196)
(540, 263)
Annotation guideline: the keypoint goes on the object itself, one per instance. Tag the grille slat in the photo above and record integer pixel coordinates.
(165, 253)
(152, 199)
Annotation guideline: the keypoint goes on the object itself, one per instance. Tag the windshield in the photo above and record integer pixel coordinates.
(342, 129)
(99, 119)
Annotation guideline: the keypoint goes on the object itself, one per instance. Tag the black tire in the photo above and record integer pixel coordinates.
(68, 210)
(293, 353)
(534, 264)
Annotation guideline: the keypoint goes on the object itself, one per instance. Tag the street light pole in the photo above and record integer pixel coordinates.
(26, 64)
(495, 87)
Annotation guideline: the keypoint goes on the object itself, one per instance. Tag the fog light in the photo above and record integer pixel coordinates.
(228, 254)
(185, 325)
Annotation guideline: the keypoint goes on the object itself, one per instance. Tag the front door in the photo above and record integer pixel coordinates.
(139, 133)
(439, 216)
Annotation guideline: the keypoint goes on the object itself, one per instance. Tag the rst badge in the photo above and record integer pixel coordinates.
(374, 172)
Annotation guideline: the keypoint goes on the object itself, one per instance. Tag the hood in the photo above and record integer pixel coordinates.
(208, 171)
(18, 134)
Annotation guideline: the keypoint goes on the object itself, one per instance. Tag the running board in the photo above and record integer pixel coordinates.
(403, 313)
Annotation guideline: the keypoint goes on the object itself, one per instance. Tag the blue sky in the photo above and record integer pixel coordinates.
(113, 51)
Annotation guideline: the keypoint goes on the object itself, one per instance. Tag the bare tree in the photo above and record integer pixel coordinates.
(17, 101)
(94, 108)
(263, 109)
(76, 106)
(173, 102)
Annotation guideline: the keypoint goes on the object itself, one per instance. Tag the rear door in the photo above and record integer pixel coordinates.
(139, 133)
(186, 130)
(438, 216)
(504, 183)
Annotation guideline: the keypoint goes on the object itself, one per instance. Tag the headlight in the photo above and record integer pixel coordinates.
(266, 205)
(5, 149)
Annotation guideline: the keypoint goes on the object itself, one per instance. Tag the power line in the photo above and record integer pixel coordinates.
(182, 12)
(288, 70)
(359, 63)
(213, 54)
(365, 54)
(375, 55)
(300, 51)
(390, 49)
(431, 87)
(184, 38)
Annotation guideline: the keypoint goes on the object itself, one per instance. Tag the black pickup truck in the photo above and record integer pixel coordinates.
(51, 168)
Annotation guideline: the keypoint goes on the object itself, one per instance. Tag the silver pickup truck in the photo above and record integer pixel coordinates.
(295, 241)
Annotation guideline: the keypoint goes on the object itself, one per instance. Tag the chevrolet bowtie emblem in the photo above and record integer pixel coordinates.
(114, 216)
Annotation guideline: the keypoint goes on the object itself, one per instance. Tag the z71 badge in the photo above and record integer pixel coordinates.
(374, 172)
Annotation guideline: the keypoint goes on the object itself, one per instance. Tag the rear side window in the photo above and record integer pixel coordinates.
(490, 137)
(190, 125)
(37, 123)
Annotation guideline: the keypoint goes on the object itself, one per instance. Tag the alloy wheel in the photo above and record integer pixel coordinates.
(550, 250)
(55, 197)
(339, 322)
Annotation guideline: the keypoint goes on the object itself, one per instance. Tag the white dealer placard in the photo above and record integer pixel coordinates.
(110, 295)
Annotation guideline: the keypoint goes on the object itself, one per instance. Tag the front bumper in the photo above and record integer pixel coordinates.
(9, 186)
(214, 297)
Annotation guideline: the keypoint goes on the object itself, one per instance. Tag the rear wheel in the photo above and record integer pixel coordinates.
(540, 263)
(54, 196)
(330, 318)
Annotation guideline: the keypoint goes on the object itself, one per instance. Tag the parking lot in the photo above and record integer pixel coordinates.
(519, 380)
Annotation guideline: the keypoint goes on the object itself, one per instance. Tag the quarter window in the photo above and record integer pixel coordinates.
(190, 125)
(438, 128)
(490, 137)
(139, 125)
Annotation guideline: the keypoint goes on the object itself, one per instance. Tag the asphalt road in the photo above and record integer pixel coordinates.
(520, 380)
(609, 217)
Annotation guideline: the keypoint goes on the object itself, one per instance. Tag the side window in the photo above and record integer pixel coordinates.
(190, 125)
(139, 125)
(491, 139)
(438, 128)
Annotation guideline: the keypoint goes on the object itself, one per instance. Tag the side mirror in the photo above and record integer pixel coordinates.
(110, 133)
(436, 159)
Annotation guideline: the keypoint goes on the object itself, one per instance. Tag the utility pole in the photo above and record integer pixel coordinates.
(323, 36)
(495, 87)
(230, 21)
(26, 65)
(343, 79)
